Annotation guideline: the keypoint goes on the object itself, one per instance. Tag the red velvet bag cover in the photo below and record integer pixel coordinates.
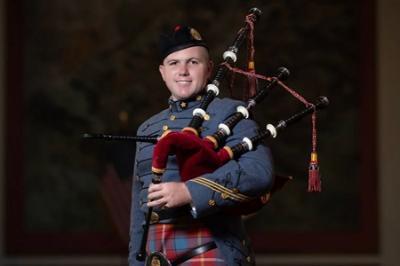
(195, 156)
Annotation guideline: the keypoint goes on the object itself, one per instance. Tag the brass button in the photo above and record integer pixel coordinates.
(165, 127)
(199, 97)
(248, 259)
(154, 218)
(206, 117)
(155, 260)
(183, 105)
(224, 195)
(211, 202)
(172, 117)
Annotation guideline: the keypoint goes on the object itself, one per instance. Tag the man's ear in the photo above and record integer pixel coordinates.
(161, 69)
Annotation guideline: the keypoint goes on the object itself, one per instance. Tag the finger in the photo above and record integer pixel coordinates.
(155, 195)
(156, 203)
(154, 187)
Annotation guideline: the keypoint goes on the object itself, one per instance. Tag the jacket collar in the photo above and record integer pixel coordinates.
(181, 105)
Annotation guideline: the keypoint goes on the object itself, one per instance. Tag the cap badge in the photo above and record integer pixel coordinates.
(195, 34)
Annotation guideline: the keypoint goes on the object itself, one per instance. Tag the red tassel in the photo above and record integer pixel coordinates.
(314, 180)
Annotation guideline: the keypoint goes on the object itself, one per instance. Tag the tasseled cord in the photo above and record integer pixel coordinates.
(314, 179)
(251, 79)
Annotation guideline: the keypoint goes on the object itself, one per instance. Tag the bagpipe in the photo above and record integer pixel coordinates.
(197, 156)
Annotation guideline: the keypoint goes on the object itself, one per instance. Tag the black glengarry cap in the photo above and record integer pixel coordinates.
(180, 38)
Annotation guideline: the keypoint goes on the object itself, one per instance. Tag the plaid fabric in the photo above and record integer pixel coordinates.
(175, 239)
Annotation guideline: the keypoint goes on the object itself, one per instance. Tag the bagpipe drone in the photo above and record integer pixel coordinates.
(197, 156)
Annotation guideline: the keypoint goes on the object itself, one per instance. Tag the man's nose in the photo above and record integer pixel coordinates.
(183, 70)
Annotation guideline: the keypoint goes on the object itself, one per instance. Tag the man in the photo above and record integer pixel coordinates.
(191, 225)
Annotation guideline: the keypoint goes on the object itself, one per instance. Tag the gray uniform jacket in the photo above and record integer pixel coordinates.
(249, 176)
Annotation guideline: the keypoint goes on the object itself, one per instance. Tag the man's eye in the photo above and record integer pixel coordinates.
(172, 63)
(194, 62)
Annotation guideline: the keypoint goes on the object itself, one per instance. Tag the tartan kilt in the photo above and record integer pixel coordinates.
(175, 239)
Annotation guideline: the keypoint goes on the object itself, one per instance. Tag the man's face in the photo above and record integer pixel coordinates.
(186, 72)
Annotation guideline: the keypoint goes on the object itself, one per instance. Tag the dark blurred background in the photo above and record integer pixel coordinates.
(92, 66)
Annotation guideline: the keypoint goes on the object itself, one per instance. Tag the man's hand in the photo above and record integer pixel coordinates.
(168, 195)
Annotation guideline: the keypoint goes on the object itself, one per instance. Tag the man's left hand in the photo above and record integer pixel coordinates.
(168, 195)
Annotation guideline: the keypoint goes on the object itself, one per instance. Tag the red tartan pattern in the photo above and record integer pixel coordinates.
(175, 239)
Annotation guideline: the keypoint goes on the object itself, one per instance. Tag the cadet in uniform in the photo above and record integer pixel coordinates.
(190, 224)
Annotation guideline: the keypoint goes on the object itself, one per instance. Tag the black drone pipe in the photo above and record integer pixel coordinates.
(243, 112)
(271, 130)
(229, 57)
